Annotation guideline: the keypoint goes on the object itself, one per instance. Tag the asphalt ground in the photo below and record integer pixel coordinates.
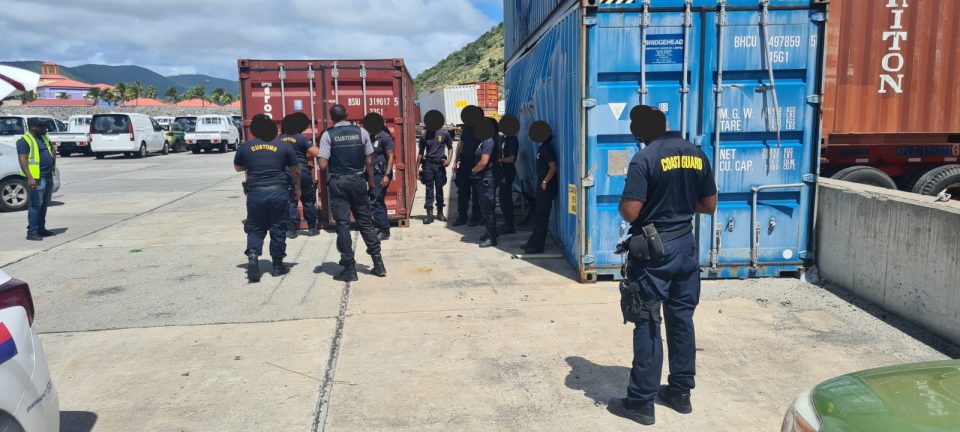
(149, 324)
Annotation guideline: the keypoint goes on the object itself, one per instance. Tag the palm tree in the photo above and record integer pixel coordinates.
(197, 92)
(94, 95)
(28, 97)
(151, 92)
(227, 98)
(172, 95)
(120, 91)
(63, 96)
(215, 95)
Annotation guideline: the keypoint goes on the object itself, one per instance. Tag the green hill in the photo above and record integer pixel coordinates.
(480, 60)
(34, 66)
(96, 74)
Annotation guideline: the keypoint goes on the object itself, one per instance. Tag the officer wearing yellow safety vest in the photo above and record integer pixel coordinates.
(37, 162)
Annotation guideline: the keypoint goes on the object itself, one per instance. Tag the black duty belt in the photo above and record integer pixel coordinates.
(358, 175)
(667, 236)
(269, 188)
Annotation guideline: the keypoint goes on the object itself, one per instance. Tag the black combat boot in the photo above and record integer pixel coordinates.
(489, 242)
(348, 274)
(643, 414)
(429, 218)
(314, 231)
(675, 398)
(460, 221)
(378, 268)
(440, 216)
(384, 235)
(278, 268)
(253, 268)
(292, 233)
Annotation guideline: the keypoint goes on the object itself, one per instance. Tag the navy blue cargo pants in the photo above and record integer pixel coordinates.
(267, 211)
(379, 206)
(486, 189)
(676, 278)
(309, 199)
(434, 177)
(348, 194)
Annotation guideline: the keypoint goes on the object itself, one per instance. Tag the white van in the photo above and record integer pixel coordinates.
(128, 133)
(213, 132)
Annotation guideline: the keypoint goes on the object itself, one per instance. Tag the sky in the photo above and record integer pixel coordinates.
(175, 37)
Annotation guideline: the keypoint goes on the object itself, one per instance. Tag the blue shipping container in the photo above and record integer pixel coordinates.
(583, 65)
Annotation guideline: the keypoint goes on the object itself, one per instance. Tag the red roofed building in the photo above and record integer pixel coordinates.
(142, 102)
(61, 103)
(52, 84)
(236, 104)
(197, 103)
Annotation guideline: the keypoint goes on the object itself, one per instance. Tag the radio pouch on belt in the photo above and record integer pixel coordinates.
(654, 242)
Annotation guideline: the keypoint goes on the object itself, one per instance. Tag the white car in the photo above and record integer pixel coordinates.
(12, 127)
(28, 399)
(213, 132)
(128, 133)
(13, 186)
(76, 139)
(163, 120)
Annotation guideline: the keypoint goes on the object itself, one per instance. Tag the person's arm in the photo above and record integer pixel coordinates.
(295, 174)
(449, 143)
(706, 205)
(422, 144)
(511, 148)
(482, 164)
(368, 160)
(238, 162)
(386, 177)
(456, 162)
(313, 152)
(23, 150)
(630, 209)
(323, 152)
(551, 172)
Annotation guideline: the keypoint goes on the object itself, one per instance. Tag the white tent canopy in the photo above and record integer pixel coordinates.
(14, 81)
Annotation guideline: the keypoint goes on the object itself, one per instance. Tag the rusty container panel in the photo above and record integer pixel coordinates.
(281, 87)
(892, 66)
(488, 94)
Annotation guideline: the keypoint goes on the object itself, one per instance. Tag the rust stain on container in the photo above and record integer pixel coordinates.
(892, 66)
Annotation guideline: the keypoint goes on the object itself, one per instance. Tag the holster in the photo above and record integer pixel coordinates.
(246, 189)
(380, 168)
(486, 182)
(643, 247)
(637, 303)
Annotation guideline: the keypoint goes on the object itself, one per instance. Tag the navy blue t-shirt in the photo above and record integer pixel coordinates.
(545, 155)
(300, 145)
(669, 176)
(486, 148)
(468, 145)
(510, 147)
(382, 142)
(266, 162)
(434, 146)
(46, 159)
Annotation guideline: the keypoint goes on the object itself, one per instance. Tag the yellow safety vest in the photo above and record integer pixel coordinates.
(33, 158)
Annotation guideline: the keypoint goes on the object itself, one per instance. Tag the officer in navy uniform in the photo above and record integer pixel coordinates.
(668, 182)
(507, 170)
(383, 151)
(269, 165)
(436, 151)
(547, 186)
(347, 152)
(485, 178)
(293, 126)
(466, 150)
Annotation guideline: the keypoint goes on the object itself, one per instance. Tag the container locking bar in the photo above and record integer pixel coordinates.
(718, 96)
(685, 88)
(755, 233)
(283, 94)
(768, 60)
(644, 24)
(363, 80)
(335, 73)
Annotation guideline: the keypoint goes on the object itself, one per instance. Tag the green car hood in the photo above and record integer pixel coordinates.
(921, 397)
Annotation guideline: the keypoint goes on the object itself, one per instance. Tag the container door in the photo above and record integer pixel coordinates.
(760, 134)
(623, 73)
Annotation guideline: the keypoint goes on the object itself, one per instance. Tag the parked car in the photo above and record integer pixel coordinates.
(176, 137)
(76, 139)
(163, 120)
(131, 134)
(12, 127)
(188, 123)
(213, 132)
(28, 400)
(13, 185)
(910, 397)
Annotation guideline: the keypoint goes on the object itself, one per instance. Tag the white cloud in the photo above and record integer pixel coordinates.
(208, 36)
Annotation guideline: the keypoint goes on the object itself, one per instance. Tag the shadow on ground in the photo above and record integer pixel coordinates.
(77, 421)
(597, 382)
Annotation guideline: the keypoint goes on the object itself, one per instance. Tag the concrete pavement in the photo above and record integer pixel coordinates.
(149, 324)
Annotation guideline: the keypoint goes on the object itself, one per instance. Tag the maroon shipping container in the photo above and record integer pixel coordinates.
(281, 87)
(891, 105)
(488, 95)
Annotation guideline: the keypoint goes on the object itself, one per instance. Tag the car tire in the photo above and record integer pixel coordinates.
(63, 153)
(166, 148)
(13, 194)
(944, 178)
(236, 144)
(99, 155)
(142, 153)
(223, 147)
(866, 175)
(87, 152)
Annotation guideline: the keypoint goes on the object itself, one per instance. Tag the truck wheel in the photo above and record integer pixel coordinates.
(223, 148)
(940, 179)
(63, 153)
(866, 175)
(87, 151)
(195, 149)
(99, 155)
(13, 194)
(142, 153)
(166, 149)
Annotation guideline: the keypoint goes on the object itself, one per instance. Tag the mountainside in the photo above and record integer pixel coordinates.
(480, 60)
(96, 74)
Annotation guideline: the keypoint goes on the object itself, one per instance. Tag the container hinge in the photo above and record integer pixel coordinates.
(587, 182)
(588, 259)
(588, 103)
(282, 74)
(814, 99)
(589, 20)
(818, 17)
(806, 255)
(809, 179)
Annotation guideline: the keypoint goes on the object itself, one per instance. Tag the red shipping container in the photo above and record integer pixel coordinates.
(488, 95)
(280, 87)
